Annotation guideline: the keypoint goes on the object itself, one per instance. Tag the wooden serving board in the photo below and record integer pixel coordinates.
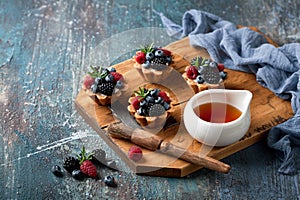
(267, 110)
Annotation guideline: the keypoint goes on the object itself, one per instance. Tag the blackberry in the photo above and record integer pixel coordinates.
(106, 88)
(159, 63)
(156, 110)
(71, 163)
(210, 75)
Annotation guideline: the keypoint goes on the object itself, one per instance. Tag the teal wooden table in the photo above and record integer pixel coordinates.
(45, 49)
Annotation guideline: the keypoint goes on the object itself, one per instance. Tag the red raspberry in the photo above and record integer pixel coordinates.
(140, 57)
(164, 96)
(136, 102)
(192, 72)
(166, 52)
(221, 67)
(89, 169)
(88, 81)
(117, 76)
(135, 153)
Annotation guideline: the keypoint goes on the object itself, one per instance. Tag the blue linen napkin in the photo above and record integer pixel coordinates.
(277, 69)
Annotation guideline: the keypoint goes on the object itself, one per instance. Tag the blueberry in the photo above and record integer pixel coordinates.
(110, 181)
(104, 72)
(150, 99)
(154, 92)
(146, 64)
(56, 170)
(94, 88)
(200, 79)
(159, 53)
(143, 104)
(169, 59)
(158, 100)
(223, 74)
(111, 69)
(149, 56)
(141, 111)
(109, 78)
(119, 84)
(77, 174)
(98, 81)
(213, 64)
(166, 106)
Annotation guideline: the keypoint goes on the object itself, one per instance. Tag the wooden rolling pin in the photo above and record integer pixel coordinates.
(153, 142)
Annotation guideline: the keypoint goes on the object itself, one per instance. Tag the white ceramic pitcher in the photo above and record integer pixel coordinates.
(218, 134)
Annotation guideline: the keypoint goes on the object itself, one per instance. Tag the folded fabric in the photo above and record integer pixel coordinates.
(277, 69)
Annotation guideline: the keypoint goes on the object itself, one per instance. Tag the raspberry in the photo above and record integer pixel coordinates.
(88, 81)
(117, 76)
(86, 165)
(136, 102)
(164, 96)
(192, 72)
(135, 153)
(140, 57)
(221, 67)
(89, 169)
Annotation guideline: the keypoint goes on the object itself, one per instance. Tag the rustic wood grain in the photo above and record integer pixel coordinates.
(47, 45)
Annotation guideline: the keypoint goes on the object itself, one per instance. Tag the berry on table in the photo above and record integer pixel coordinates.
(110, 181)
(71, 163)
(135, 153)
(86, 165)
(56, 170)
(78, 175)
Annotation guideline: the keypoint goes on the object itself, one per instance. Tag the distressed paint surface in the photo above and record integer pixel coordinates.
(44, 53)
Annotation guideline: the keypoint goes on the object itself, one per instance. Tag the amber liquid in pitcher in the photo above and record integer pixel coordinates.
(218, 112)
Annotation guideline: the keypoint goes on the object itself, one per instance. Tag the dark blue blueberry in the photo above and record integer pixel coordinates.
(109, 78)
(169, 59)
(141, 111)
(223, 74)
(98, 81)
(111, 69)
(78, 175)
(94, 88)
(143, 104)
(154, 92)
(110, 181)
(104, 72)
(213, 64)
(200, 79)
(149, 56)
(150, 99)
(159, 53)
(166, 106)
(146, 64)
(159, 100)
(119, 84)
(56, 170)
